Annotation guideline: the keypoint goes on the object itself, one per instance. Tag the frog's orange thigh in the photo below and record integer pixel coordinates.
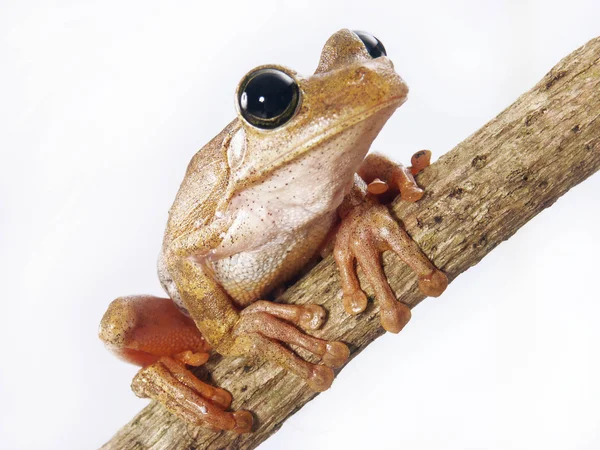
(141, 329)
(153, 333)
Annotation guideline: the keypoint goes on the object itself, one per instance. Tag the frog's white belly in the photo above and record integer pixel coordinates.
(249, 275)
(278, 224)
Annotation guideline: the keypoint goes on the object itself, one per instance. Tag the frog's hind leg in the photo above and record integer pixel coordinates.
(141, 329)
(198, 403)
(151, 332)
(260, 332)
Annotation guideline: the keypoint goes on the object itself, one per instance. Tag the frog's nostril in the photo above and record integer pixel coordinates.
(362, 72)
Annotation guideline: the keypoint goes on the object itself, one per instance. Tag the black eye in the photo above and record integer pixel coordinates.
(373, 45)
(268, 98)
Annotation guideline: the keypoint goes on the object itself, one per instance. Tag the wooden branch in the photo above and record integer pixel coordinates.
(477, 195)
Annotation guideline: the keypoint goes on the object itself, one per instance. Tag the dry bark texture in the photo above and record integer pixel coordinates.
(477, 195)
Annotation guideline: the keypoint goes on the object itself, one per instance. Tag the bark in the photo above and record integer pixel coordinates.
(477, 195)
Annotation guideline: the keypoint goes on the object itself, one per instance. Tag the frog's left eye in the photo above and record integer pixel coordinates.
(268, 98)
(373, 45)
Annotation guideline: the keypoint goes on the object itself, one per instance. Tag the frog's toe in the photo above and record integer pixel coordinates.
(320, 379)
(221, 398)
(432, 281)
(355, 302)
(336, 354)
(420, 161)
(433, 284)
(411, 193)
(192, 358)
(394, 317)
(312, 317)
(243, 421)
(377, 187)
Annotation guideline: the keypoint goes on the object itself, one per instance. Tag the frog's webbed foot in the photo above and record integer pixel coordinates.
(169, 382)
(384, 176)
(153, 333)
(366, 231)
(260, 332)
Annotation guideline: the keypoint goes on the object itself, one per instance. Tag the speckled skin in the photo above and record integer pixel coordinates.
(254, 208)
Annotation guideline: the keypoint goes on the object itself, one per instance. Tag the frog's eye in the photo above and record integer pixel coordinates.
(372, 44)
(268, 98)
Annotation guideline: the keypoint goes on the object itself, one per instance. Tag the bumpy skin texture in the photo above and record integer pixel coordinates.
(255, 207)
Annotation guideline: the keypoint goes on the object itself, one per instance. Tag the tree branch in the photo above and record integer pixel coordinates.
(477, 195)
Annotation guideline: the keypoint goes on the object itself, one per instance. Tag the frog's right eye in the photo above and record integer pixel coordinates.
(268, 98)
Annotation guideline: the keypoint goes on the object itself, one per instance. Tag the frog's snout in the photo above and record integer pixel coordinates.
(380, 74)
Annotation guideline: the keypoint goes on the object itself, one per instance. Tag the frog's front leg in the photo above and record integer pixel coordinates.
(381, 175)
(153, 333)
(366, 231)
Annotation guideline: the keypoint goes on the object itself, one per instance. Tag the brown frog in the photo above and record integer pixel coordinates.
(257, 204)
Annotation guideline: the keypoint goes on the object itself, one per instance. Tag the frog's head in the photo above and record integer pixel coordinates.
(328, 119)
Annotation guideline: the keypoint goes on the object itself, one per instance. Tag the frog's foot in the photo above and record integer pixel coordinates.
(367, 231)
(383, 175)
(260, 333)
(169, 382)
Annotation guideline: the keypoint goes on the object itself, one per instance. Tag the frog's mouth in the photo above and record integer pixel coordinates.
(388, 106)
(343, 125)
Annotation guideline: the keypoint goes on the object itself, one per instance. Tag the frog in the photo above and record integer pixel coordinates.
(289, 180)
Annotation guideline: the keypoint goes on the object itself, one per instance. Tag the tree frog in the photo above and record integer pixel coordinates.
(257, 204)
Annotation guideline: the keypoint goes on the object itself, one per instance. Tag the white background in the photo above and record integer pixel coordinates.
(102, 106)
